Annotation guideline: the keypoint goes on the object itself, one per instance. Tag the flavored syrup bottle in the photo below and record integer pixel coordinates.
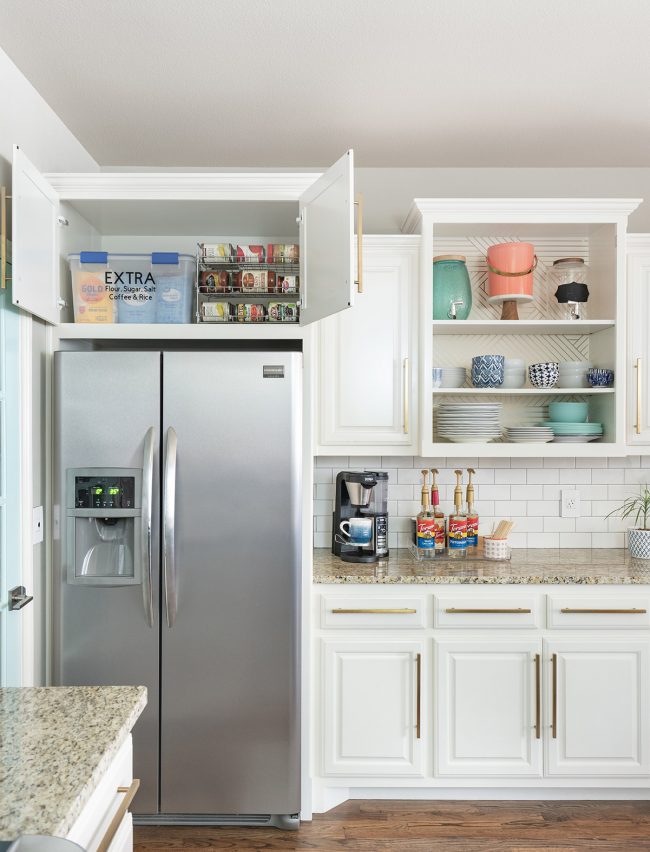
(426, 523)
(472, 515)
(439, 515)
(458, 523)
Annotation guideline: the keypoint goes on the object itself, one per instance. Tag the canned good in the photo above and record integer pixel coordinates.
(256, 281)
(215, 281)
(250, 313)
(287, 283)
(215, 312)
(249, 254)
(217, 252)
(283, 312)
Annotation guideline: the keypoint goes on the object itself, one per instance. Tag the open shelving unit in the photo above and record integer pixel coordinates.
(590, 228)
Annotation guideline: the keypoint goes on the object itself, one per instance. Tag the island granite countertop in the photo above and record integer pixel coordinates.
(55, 745)
(583, 566)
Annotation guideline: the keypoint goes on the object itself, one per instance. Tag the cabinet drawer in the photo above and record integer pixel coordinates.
(488, 611)
(372, 612)
(96, 821)
(614, 611)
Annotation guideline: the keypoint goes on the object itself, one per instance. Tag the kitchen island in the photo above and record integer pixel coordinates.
(58, 747)
(528, 678)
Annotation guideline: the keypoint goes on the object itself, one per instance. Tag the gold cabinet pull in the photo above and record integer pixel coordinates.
(3, 238)
(358, 203)
(570, 611)
(554, 700)
(637, 425)
(538, 697)
(518, 611)
(118, 816)
(405, 394)
(418, 693)
(395, 611)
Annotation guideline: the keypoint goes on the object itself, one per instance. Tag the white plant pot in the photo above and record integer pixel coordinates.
(639, 543)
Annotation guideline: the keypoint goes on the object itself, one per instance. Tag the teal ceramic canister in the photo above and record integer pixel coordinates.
(452, 291)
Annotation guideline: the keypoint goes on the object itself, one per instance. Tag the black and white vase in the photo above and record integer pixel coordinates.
(639, 543)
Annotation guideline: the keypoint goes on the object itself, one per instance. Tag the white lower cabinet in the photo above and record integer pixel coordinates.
(105, 822)
(488, 715)
(597, 709)
(372, 705)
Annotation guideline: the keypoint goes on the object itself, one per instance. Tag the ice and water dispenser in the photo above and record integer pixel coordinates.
(103, 518)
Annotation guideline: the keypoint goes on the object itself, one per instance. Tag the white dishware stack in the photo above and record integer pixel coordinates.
(573, 374)
(453, 377)
(529, 434)
(514, 373)
(468, 422)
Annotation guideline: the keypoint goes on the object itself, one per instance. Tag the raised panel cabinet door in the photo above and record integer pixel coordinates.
(597, 712)
(372, 701)
(488, 707)
(368, 356)
(35, 260)
(326, 242)
(638, 348)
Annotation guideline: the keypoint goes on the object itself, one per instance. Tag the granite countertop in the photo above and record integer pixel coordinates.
(582, 566)
(55, 745)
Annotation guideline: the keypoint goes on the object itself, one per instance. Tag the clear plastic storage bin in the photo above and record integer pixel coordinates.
(132, 288)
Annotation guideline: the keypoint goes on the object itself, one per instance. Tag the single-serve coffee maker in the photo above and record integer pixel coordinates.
(360, 524)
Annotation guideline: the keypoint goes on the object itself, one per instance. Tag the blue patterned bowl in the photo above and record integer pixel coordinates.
(544, 375)
(599, 378)
(488, 371)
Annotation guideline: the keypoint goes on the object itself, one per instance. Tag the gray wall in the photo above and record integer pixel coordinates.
(29, 122)
(388, 193)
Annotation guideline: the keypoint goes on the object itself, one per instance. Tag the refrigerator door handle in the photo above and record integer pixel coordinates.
(169, 518)
(145, 538)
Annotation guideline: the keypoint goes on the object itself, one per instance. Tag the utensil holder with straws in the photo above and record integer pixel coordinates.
(496, 546)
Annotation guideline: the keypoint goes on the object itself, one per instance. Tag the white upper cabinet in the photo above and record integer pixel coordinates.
(35, 208)
(326, 240)
(172, 211)
(638, 340)
(368, 358)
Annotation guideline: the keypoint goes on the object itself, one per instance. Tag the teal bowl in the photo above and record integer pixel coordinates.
(568, 412)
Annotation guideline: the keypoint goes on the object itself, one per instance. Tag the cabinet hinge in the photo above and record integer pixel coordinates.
(62, 220)
(61, 303)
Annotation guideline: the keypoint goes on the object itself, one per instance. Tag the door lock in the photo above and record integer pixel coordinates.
(18, 598)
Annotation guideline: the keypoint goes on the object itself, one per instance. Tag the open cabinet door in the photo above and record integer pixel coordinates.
(35, 206)
(327, 242)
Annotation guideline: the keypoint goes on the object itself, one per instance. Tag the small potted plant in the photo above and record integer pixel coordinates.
(638, 536)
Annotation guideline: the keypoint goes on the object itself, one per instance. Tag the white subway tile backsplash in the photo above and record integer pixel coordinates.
(608, 476)
(527, 490)
(494, 492)
(559, 524)
(510, 476)
(571, 476)
(543, 476)
(544, 539)
(607, 539)
(575, 539)
(544, 508)
(526, 463)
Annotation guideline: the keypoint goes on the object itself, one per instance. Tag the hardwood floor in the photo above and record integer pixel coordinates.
(378, 826)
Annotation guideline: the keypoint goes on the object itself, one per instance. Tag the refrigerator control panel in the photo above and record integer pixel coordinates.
(104, 492)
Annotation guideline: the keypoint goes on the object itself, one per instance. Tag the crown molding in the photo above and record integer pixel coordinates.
(182, 186)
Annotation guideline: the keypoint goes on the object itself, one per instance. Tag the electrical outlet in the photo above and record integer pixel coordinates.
(37, 525)
(570, 504)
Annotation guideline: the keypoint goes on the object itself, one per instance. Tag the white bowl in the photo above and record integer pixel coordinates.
(574, 365)
(514, 381)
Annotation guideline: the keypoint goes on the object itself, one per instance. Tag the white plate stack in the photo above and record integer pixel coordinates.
(469, 422)
(529, 434)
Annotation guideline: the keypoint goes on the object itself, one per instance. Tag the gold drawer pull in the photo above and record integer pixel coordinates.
(418, 669)
(569, 611)
(107, 839)
(538, 699)
(519, 611)
(374, 611)
(639, 384)
(554, 698)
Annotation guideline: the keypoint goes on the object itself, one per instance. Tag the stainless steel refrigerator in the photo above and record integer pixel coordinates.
(177, 553)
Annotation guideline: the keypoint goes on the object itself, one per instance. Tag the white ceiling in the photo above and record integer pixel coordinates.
(296, 82)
